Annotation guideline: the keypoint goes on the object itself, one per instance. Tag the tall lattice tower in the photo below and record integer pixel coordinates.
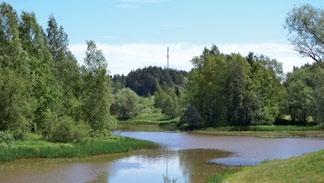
(168, 57)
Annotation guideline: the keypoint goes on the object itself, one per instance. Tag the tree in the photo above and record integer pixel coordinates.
(57, 40)
(318, 91)
(192, 118)
(234, 90)
(300, 92)
(306, 27)
(146, 81)
(17, 106)
(44, 86)
(66, 69)
(167, 101)
(97, 96)
(125, 104)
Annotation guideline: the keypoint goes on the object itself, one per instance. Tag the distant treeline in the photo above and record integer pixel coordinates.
(148, 80)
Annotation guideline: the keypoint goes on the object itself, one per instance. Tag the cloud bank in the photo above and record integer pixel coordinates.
(123, 58)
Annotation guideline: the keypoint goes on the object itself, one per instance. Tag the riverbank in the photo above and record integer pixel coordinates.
(306, 168)
(87, 147)
(264, 131)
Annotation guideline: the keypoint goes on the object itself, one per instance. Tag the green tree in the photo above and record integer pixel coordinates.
(44, 86)
(66, 69)
(265, 91)
(191, 118)
(319, 91)
(16, 103)
(306, 27)
(167, 101)
(126, 104)
(300, 94)
(11, 54)
(97, 96)
(234, 90)
(57, 40)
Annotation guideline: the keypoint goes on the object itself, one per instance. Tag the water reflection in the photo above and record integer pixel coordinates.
(185, 158)
(247, 150)
(185, 166)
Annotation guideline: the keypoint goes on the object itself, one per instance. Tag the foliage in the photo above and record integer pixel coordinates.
(148, 80)
(96, 95)
(126, 104)
(16, 103)
(67, 131)
(191, 117)
(233, 90)
(43, 87)
(6, 137)
(300, 95)
(167, 100)
(306, 27)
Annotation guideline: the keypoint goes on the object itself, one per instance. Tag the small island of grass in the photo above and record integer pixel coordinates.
(86, 147)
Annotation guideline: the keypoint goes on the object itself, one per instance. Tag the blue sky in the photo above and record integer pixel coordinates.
(134, 33)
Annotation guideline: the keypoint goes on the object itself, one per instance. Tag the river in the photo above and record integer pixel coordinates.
(183, 157)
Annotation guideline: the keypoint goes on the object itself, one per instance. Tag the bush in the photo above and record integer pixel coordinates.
(191, 118)
(167, 101)
(6, 138)
(125, 104)
(68, 131)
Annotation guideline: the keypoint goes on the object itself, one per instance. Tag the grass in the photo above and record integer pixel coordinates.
(89, 146)
(149, 115)
(267, 128)
(265, 131)
(307, 168)
(221, 177)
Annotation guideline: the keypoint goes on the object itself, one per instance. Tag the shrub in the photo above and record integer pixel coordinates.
(191, 118)
(6, 137)
(167, 101)
(125, 104)
(68, 131)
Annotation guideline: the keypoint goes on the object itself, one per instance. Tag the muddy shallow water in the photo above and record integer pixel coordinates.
(247, 150)
(186, 158)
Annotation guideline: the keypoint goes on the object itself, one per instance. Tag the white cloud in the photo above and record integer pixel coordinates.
(123, 58)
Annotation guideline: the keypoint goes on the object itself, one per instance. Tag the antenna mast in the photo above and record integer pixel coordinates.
(168, 57)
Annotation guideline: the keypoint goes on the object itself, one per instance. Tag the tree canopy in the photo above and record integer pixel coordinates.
(306, 27)
(43, 89)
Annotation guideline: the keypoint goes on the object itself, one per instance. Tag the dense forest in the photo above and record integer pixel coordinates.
(235, 90)
(44, 90)
(148, 80)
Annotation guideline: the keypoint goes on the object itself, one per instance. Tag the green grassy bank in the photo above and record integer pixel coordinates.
(265, 131)
(307, 168)
(87, 147)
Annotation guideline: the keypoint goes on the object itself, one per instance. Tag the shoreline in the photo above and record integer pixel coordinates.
(295, 169)
(264, 134)
(34, 149)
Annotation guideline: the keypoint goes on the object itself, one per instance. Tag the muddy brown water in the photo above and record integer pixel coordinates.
(184, 157)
